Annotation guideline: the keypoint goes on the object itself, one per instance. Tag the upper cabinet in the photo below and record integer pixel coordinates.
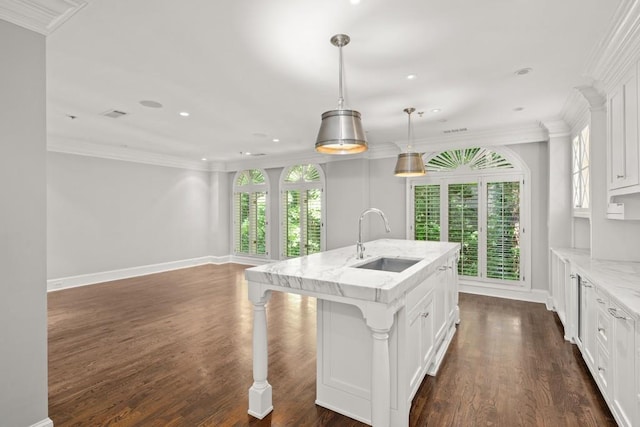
(623, 169)
(623, 134)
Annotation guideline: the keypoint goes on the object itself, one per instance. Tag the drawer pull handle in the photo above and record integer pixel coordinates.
(619, 176)
(442, 268)
(586, 285)
(614, 312)
(425, 314)
(600, 300)
(601, 369)
(602, 330)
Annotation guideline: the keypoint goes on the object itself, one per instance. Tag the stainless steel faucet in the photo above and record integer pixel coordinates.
(359, 244)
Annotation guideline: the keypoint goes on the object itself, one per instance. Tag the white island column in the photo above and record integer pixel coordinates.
(379, 319)
(260, 396)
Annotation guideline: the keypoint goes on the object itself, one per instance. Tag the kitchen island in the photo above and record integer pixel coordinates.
(383, 323)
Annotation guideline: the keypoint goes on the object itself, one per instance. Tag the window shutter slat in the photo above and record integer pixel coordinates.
(313, 221)
(503, 230)
(463, 225)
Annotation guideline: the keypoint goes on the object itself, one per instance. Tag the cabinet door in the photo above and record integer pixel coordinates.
(414, 346)
(623, 365)
(427, 332)
(439, 306)
(623, 133)
(591, 323)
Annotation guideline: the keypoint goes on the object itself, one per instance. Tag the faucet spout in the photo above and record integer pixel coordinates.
(359, 244)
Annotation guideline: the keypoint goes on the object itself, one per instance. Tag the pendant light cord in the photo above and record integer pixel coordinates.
(409, 111)
(340, 97)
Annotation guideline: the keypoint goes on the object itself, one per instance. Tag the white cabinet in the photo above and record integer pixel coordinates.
(623, 390)
(623, 153)
(587, 340)
(560, 289)
(422, 331)
(420, 345)
(607, 340)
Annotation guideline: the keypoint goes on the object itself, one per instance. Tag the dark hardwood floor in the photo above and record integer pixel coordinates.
(174, 349)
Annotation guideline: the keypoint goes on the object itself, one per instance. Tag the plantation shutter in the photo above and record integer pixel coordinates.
(426, 212)
(503, 230)
(291, 226)
(259, 222)
(463, 225)
(312, 227)
(241, 222)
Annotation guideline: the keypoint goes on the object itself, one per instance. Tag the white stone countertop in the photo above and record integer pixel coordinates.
(332, 272)
(620, 279)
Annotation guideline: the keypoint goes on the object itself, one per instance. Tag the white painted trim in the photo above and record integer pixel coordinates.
(245, 260)
(41, 16)
(47, 422)
(86, 148)
(125, 273)
(529, 295)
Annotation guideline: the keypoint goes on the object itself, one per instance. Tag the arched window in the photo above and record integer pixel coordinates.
(476, 197)
(250, 212)
(302, 210)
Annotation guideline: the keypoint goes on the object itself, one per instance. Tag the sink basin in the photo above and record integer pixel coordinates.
(395, 265)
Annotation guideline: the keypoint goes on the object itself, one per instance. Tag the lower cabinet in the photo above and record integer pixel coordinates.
(418, 341)
(623, 390)
(610, 345)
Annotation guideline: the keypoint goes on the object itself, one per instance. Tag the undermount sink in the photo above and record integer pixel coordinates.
(395, 265)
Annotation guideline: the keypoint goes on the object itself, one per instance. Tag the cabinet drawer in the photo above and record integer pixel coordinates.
(415, 295)
(602, 369)
(603, 324)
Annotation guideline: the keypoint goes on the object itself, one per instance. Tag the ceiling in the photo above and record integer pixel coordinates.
(255, 76)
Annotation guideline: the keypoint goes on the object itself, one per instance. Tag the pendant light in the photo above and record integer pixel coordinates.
(409, 163)
(341, 130)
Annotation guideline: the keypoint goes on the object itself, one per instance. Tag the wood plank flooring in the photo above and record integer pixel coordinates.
(174, 349)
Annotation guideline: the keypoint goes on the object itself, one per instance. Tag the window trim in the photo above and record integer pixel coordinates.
(519, 170)
(581, 212)
(252, 188)
(302, 186)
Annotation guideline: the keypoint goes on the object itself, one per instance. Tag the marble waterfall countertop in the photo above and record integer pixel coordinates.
(333, 273)
(620, 279)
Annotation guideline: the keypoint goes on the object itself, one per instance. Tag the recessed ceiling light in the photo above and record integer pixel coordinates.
(245, 153)
(204, 159)
(411, 77)
(523, 71)
(435, 110)
(275, 140)
(184, 114)
(151, 104)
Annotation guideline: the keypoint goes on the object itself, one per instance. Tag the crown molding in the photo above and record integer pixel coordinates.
(575, 111)
(126, 154)
(484, 138)
(619, 48)
(556, 128)
(41, 16)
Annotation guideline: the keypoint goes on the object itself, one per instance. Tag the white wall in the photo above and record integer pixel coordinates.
(220, 214)
(388, 193)
(107, 215)
(347, 196)
(535, 155)
(23, 306)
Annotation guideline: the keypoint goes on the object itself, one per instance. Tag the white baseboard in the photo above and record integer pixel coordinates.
(549, 303)
(529, 295)
(125, 273)
(250, 261)
(44, 423)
